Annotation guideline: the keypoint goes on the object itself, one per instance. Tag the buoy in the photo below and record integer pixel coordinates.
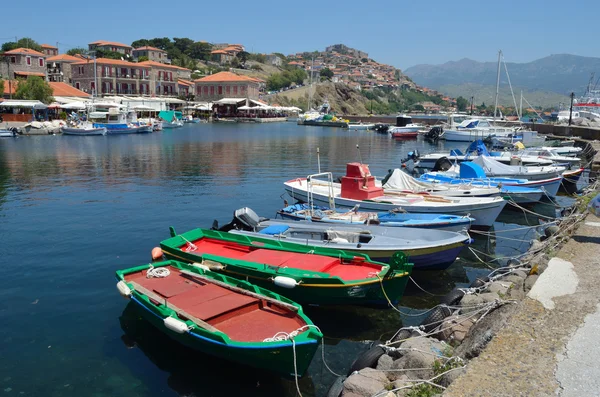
(124, 290)
(157, 253)
(285, 282)
(176, 325)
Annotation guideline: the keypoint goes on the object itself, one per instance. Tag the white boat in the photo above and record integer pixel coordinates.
(494, 169)
(174, 124)
(7, 133)
(361, 126)
(398, 181)
(456, 156)
(428, 249)
(358, 187)
(473, 129)
(548, 154)
(84, 130)
(563, 150)
(404, 124)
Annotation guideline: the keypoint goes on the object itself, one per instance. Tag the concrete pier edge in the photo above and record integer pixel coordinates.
(547, 347)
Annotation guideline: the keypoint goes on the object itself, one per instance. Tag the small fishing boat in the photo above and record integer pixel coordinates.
(401, 133)
(359, 187)
(493, 169)
(551, 155)
(223, 316)
(305, 212)
(85, 131)
(473, 174)
(6, 133)
(303, 273)
(563, 150)
(172, 119)
(426, 249)
(361, 126)
(570, 179)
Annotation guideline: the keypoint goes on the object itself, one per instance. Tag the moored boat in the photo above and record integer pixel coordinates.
(223, 316)
(361, 126)
(305, 274)
(426, 249)
(304, 212)
(358, 187)
(91, 131)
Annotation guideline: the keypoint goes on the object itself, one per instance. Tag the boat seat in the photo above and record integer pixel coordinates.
(206, 310)
(274, 230)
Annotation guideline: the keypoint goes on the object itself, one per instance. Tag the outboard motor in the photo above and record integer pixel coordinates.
(243, 219)
(443, 164)
(434, 134)
(381, 128)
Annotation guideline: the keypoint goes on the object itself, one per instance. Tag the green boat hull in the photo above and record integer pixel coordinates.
(277, 357)
(313, 288)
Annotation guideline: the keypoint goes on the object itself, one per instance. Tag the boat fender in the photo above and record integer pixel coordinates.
(156, 253)
(213, 265)
(201, 266)
(124, 290)
(175, 325)
(285, 282)
(339, 240)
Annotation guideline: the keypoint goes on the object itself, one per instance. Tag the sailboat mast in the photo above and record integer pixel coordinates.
(497, 85)
(310, 83)
(521, 106)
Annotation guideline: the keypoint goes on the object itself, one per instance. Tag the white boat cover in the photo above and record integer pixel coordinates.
(402, 181)
(494, 167)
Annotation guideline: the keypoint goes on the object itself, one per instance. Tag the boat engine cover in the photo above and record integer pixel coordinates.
(247, 217)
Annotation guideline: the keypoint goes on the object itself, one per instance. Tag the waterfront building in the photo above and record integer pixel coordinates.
(152, 53)
(22, 63)
(110, 46)
(49, 50)
(225, 53)
(117, 77)
(59, 67)
(226, 85)
(112, 76)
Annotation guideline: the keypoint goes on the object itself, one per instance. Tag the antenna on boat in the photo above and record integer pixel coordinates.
(319, 160)
(359, 156)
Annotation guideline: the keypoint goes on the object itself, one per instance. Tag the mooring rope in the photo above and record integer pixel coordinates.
(157, 272)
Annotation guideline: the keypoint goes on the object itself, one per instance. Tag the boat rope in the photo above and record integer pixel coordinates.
(157, 272)
(283, 336)
(511, 202)
(419, 287)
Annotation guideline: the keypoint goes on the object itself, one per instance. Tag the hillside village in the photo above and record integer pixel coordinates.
(183, 70)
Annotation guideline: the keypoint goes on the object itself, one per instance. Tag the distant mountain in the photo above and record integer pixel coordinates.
(559, 74)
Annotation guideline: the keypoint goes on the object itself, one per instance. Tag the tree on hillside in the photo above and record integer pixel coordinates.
(142, 58)
(461, 104)
(200, 50)
(77, 50)
(242, 56)
(140, 43)
(1, 87)
(34, 88)
(327, 73)
(109, 54)
(25, 42)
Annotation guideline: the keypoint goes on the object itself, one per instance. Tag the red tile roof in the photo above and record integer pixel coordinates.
(148, 48)
(24, 51)
(219, 52)
(161, 65)
(113, 43)
(48, 46)
(30, 74)
(184, 82)
(63, 58)
(226, 77)
(64, 89)
(107, 61)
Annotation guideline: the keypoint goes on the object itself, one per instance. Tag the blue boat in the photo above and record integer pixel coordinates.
(303, 212)
(471, 173)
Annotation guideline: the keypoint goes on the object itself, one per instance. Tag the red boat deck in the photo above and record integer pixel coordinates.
(243, 318)
(356, 270)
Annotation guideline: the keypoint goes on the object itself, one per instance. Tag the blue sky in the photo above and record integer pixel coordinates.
(395, 32)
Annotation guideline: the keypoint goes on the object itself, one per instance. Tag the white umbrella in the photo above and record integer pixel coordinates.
(74, 106)
(244, 108)
(143, 108)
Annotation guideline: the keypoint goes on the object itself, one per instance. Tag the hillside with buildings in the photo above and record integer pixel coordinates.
(189, 70)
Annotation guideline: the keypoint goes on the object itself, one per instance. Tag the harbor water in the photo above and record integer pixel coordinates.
(75, 209)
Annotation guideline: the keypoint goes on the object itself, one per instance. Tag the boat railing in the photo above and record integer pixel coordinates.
(330, 192)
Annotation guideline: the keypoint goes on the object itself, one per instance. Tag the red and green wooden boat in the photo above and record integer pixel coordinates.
(223, 316)
(305, 274)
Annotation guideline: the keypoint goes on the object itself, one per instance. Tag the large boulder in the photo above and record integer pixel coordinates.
(384, 363)
(418, 353)
(469, 303)
(529, 281)
(366, 382)
(500, 287)
(455, 329)
(481, 333)
(451, 376)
